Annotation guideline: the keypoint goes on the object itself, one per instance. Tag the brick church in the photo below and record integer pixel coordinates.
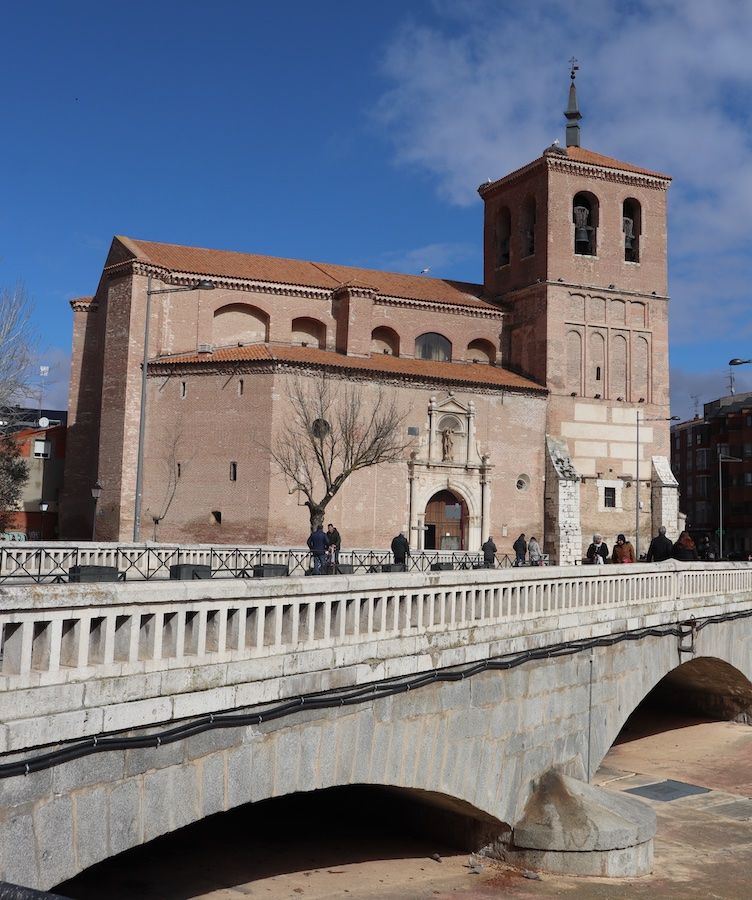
(520, 395)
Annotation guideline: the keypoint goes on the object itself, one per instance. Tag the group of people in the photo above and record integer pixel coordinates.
(661, 548)
(524, 549)
(325, 547)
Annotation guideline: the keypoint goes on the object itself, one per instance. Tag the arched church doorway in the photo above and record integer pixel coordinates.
(446, 522)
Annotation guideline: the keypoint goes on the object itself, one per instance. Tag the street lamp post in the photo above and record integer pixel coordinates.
(202, 285)
(637, 472)
(96, 493)
(722, 458)
(43, 507)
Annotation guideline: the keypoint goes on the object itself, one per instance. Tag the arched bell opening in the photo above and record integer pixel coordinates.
(585, 219)
(446, 522)
(632, 227)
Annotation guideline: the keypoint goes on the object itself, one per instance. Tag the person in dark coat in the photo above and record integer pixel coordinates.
(400, 548)
(707, 550)
(334, 546)
(661, 547)
(685, 549)
(489, 553)
(520, 550)
(597, 552)
(318, 545)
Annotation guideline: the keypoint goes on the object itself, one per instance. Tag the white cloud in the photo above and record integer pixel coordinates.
(436, 257)
(478, 89)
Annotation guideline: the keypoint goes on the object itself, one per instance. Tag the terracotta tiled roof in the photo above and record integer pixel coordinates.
(580, 154)
(230, 264)
(468, 373)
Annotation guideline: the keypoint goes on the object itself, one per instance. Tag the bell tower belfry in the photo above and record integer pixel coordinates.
(575, 249)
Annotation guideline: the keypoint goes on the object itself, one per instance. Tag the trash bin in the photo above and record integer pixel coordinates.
(89, 574)
(270, 570)
(189, 571)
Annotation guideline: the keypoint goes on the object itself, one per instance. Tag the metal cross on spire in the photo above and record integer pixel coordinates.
(572, 113)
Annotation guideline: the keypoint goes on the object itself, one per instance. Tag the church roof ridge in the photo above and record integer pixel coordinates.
(203, 261)
(384, 364)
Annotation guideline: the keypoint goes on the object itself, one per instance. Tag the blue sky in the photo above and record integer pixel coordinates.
(358, 133)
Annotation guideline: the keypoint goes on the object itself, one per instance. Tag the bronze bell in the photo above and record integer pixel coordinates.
(581, 235)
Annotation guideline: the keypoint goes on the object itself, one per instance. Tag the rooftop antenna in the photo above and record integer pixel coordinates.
(695, 405)
(731, 382)
(44, 372)
(572, 113)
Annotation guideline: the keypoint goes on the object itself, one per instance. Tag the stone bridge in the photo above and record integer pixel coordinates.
(131, 710)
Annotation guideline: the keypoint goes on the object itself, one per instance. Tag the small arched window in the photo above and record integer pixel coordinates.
(433, 346)
(502, 236)
(632, 227)
(585, 218)
(385, 340)
(527, 228)
(481, 351)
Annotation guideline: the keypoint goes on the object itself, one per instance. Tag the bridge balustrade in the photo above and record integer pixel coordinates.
(57, 633)
(51, 562)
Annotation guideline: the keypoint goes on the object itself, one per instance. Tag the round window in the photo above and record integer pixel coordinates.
(523, 482)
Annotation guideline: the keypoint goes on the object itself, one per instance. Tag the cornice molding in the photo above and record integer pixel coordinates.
(638, 179)
(161, 369)
(84, 304)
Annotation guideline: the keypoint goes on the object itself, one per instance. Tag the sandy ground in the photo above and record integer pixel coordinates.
(703, 848)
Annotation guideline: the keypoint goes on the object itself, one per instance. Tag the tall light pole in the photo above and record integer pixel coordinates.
(722, 458)
(202, 285)
(637, 472)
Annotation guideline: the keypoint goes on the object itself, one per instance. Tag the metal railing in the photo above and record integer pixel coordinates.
(21, 562)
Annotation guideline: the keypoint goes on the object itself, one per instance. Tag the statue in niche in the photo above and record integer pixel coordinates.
(447, 445)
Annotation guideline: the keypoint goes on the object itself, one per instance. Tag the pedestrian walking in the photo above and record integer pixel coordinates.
(707, 550)
(597, 552)
(400, 548)
(334, 542)
(318, 544)
(660, 547)
(685, 549)
(534, 552)
(520, 550)
(489, 553)
(623, 550)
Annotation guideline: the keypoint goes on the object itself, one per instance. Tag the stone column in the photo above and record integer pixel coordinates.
(664, 498)
(563, 540)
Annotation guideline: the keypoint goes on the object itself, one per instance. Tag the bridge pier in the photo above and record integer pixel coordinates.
(573, 828)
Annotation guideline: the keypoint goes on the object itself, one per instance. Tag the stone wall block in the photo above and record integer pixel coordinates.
(18, 850)
(308, 777)
(184, 795)
(53, 828)
(347, 742)
(92, 839)
(287, 770)
(145, 759)
(211, 775)
(263, 764)
(125, 822)
(241, 774)
(156, 805)
(99, 768)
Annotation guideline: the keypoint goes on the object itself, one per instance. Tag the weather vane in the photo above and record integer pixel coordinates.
(574, 68)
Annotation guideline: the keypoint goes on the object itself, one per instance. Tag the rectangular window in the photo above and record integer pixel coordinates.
(240, 387)
(723, 449)
(698, 437)
(703, 485)
(748, 449)
(701, 458)
(183, 390)
(41, 449)
(690, 487)
(609, 497)
(748, 479)
(233, 471)
(178, 470)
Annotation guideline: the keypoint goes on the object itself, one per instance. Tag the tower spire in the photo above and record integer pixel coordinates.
(572, 113)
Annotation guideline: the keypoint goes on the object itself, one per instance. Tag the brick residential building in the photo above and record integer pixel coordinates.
(537, 374)
(708, 491)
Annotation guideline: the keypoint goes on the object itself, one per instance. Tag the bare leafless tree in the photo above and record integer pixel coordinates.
(335, 430)
(16, 345)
